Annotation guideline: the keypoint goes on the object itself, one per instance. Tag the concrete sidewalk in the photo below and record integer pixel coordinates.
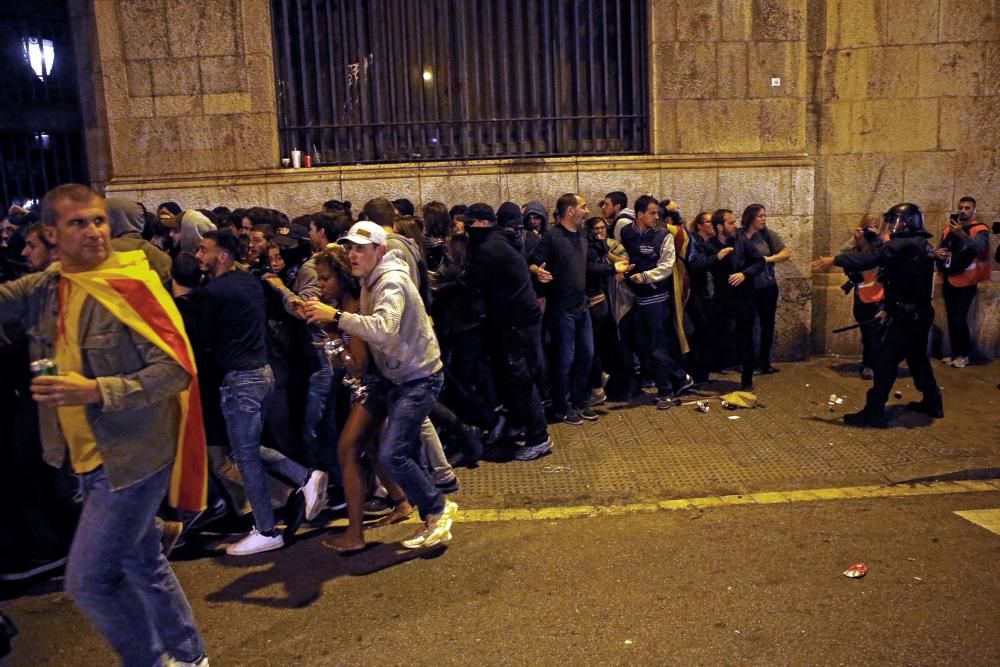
(636, 453)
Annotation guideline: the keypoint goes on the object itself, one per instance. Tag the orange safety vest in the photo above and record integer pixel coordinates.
(980, 269)
(871, 290)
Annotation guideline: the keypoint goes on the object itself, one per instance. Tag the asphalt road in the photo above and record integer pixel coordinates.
(754, 584)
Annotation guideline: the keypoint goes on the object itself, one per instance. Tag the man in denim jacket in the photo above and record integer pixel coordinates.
(114, 408)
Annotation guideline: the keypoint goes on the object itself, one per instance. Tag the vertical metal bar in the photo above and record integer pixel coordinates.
(366, 137)
(347, 111)
(315, 80)
(549, 94)
(328, 138)
(287, 101)
(637, 80)
(478, 74)
(503, 77)
(620, 107)
(464, 106)
(404, 87)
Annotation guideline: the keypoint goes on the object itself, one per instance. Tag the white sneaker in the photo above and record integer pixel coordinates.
(256, 543)
(946, 360)
(960, 362)
(436, 530)
(174, 662)
(314, 491)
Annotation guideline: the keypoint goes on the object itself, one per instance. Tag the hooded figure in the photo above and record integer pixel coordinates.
(509, 217)
(531, 240)
(126, 220)
(193, 225)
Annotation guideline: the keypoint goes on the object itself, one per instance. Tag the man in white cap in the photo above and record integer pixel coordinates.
(395, 325)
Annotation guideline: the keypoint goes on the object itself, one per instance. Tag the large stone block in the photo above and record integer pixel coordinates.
(803, 190)
(175, 76)
(105, 24)
(698, 20)
(223, 74)
(923, 181)
(145, 147)
(783, 125)
(909, 22)
(793, 319)
(545, 186)
(881, 126)
(203, 28)
(665, 138)
(854, 23)
(260, 83)
(970, 121)
(255, 139)
(785, 60)
(463, 188)
(969, 20)
(694, 189)
(359, 189)
(594, 185)
(177, 105)
(949, 70)
(797, 233)
(731, 74)
(977, 173)
(770, 187)
(140, 78)
(719, 127)
(301, 197)
(894, 72)
(835, 120)
(736, 20)
(255, 19)
(142, 35)
(991, 65)
(846, 73)
(683, 71)
(226, 103)
(862, 183)
(779, 20)
(663, 21)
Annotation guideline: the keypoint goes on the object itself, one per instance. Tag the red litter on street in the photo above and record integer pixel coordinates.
(856, 571)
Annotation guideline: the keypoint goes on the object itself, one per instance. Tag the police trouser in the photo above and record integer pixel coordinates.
(904, 338)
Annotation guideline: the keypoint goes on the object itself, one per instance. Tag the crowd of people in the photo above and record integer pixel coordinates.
(346, 359)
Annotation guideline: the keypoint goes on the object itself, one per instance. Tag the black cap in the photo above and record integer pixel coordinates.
(479, 211)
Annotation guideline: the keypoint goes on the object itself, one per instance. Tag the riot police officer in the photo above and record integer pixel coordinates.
(906, 264)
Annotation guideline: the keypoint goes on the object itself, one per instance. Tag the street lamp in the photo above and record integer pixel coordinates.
(40, 54)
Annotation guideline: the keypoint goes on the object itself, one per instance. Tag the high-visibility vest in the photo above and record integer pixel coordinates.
(871, 290)
(980, 269)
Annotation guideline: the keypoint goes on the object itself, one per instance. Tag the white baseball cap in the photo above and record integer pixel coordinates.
(363, 233)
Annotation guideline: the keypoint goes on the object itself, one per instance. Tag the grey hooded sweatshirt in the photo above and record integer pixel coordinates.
(394, 323)
(125, 219)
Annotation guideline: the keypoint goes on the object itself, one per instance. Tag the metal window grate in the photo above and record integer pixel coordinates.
(362, 81)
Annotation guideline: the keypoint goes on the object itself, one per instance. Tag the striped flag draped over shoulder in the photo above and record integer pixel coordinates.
(127, 287)
(682, 282)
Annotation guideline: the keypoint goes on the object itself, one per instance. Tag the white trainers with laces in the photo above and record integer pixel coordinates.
(960, 362)
(314, 491)
(174, 662)
(436, 530)
(256, 543)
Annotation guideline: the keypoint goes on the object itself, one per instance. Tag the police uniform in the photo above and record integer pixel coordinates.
(906, 264)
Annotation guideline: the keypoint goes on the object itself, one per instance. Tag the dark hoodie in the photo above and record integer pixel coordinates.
(498, 269)
(126, 221)
(531, 240)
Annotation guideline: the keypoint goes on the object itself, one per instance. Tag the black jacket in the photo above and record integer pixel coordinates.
(565, 255)
(500, 272)
(745, 259)
(907, 264)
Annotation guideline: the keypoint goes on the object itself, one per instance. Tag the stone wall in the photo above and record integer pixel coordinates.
(191, 117)
(905, 109)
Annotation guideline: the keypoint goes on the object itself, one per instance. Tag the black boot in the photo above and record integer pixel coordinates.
(866, 419)
(930, 405)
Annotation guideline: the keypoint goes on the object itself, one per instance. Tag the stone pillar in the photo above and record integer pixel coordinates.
(188, 86)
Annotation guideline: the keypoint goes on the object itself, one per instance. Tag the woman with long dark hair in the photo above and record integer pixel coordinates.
(770, 244)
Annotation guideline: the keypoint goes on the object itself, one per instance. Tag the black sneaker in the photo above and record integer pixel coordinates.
(664, 403)
(864, 420)
(572, 418)
(933, 407)
(686, 384)
(295, 512)
(588, 414)
(377, 506)
(335, 499)
(449, 486)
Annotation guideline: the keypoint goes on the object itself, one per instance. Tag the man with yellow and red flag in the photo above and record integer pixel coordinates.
(117, 392)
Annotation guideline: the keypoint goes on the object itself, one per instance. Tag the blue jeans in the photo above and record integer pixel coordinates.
(574, 340)
(320, 429)
(651, 342)
(408, 405)
(118, 576)
(243, 395)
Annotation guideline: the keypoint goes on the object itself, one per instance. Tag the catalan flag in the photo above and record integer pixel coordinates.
(682, 282)
(127, 287)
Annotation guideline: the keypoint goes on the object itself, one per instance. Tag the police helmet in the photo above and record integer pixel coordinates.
(905, 219)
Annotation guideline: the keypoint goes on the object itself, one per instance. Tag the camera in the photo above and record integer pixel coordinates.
(853, 280)
(871, 235)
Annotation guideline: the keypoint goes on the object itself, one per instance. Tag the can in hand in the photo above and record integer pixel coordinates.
(44, 367)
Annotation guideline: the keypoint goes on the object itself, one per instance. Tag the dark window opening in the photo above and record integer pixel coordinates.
(362, 81)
